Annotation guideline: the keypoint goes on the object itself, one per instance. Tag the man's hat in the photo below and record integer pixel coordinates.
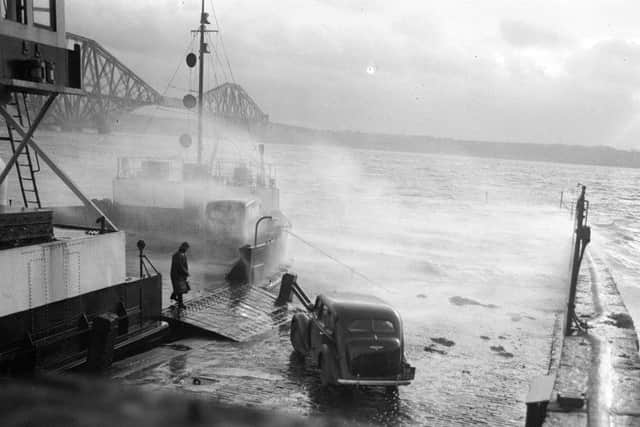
(184, 246)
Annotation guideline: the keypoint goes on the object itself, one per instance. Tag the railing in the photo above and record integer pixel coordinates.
(244, 173)
(233, 172)
(149, 167)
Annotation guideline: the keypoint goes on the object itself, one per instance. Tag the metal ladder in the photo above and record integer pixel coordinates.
(26, 168)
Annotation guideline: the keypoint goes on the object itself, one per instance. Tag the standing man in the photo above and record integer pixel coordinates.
(179, 274)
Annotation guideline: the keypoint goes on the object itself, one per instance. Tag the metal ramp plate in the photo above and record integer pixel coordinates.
(235, 312)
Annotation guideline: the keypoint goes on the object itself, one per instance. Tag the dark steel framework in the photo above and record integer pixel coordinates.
(231, 101)
(26, 166)
(110, 88)
(109, 85)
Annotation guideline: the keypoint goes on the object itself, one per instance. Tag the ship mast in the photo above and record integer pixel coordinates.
(203, 49)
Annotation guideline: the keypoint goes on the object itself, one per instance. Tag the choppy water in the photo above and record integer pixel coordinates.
(474, 251)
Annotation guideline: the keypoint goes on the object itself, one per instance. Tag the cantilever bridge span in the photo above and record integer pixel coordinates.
(111, 88)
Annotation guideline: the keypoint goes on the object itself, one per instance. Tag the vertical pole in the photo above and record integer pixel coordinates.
(141, 245)
(200, 81)
(575, 267)
(561, 196)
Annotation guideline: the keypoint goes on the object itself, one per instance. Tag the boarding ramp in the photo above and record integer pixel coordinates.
(236, 312)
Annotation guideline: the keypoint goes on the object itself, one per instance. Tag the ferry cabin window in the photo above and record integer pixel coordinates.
(14, 10)
(44, 14)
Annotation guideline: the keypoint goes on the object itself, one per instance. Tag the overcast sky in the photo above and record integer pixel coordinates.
(529, 71)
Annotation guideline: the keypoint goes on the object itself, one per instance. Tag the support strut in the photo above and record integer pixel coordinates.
(27, 138)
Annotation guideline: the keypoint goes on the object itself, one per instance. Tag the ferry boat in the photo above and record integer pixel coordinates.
(65, 297)
(229, 209)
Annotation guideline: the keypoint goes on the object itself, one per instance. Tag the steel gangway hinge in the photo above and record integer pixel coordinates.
(26, 166)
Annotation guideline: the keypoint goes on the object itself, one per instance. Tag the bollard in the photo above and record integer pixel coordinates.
(286, 289)
(101, 342)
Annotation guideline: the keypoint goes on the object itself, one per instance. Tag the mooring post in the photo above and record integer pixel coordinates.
(102, 342)
(286, 289)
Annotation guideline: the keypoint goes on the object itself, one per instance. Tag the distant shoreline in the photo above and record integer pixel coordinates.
(556, 153)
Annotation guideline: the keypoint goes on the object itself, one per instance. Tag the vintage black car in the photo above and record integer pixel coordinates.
(354, 340)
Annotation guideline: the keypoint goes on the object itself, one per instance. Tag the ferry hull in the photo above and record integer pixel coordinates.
(260, 262)
(59, 335)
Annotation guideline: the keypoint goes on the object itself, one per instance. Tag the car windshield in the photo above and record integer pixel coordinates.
(371, 325)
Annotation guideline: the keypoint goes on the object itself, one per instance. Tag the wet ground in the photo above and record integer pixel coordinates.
(470, 251)
(476, 374)
(450, 388)
(475, 347)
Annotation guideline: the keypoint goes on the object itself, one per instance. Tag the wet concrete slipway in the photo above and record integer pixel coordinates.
(598, 366)
(473, 367)
(472, 256)
(473, 253)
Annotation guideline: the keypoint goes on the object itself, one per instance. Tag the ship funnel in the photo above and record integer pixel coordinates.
(3, 187)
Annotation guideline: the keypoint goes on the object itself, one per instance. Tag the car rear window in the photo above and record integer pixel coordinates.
(371, 325)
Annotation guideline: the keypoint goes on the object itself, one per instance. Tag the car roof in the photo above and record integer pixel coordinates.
(353, 305)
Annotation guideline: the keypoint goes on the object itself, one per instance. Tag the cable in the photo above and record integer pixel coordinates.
(212, 63)
(166, 89)
(224, 51)
(189, 47)
(221, 64)
(333, 258)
